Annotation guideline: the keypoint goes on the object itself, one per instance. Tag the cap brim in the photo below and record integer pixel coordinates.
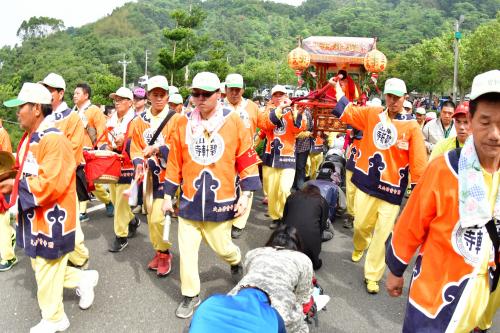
(206, 88)
(161, 87)
(459, 114)
(13, 103)
(394, 92)
(235, 85)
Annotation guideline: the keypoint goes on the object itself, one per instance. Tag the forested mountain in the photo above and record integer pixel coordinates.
(252, 37)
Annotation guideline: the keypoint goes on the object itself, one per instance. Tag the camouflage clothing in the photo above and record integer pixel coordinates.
(286, 277)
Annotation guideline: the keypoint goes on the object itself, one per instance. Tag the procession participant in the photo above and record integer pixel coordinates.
(462, 127)
(351, 156)
(175, 103)
(303, 144)
(44, 189)
(392, 147)
(140, 100)
(71, 125)
(452, 217)
(248, 111)
(420, 115)
(152, 157)
(407, 106)
(316, 153)
(440, 128)
(281, 125)
(94, 123)
(7, 233)
(209, 149)
(118, 140)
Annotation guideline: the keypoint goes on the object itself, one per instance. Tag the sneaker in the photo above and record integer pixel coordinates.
(119, 244)
(348, 222)
(326, 235)
(83, 266)
(236, 272)
(110, 209)
(85, 288)
(186, 308)
(84, 217)
(47, 326)
(153, 264)
(274, 224)
(164, 264)
(357, 255)
(132, 227)
(6, 265)
(372, 287)
(137, 209)
(236, 232)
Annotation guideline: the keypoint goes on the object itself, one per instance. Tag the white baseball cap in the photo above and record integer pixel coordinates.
(278, 88)
(158, 81)
(488, 82)
(173, 90)
(55, 81)
(122, 92)
(407, 104)
(395, 86)
(375, 102)
(234, 81)
(431, 115)
(175, 99)
(420, 110)
(206, 81)
(35, 93)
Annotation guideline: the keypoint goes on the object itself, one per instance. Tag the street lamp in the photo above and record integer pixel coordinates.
(458, 36)
(124, 63)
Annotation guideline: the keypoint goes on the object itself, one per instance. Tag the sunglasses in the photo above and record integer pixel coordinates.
(206, 94)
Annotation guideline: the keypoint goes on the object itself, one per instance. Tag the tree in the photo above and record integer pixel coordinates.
(37, 27)
(182, 40)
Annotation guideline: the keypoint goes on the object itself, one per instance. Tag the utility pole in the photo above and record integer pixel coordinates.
(458, 35)
(124, 63)
(146, 66)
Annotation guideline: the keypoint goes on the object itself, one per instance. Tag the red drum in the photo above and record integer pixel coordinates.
(102, 166)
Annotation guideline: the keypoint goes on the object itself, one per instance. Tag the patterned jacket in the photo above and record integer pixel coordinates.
(47, 195)
(143, 127)
(94, 122)
(449, 256)
(206, 168)
(286, 276)
(281, 134)
(388, 152)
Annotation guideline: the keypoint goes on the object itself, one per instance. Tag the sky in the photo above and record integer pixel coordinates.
(74, 13)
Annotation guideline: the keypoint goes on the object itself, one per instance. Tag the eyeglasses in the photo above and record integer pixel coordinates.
(206, 94)
(118, 101)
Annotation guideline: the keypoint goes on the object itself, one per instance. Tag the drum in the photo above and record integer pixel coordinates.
(102, 166)
(7, 162)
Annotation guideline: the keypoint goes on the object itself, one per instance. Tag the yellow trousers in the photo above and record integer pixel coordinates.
(100, 193)
(241, 221)
(123, 214)
(280, 182)
(351, 190)
(80, 254)
(373, 223)
(316, 160)
(6, 234)
(52, 276)
(218, 237)
(155, 225)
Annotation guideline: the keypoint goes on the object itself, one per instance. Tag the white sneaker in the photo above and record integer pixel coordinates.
(46, 326)
(86, 288)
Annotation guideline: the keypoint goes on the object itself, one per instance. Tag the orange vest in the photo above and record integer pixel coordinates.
(71, 125)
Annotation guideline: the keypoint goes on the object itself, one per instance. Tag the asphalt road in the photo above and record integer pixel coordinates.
(129, 298)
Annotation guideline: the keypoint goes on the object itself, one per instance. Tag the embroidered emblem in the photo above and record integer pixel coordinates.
(384, 136)
(206, 151)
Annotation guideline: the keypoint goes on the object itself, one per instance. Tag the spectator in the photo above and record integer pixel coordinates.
(440, 128)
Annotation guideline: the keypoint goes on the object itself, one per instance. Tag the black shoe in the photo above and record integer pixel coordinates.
(327, 235)
(119, 244)
(236, 232)
(83, 266)
(275, 224)
(132, 227)
(236, 272)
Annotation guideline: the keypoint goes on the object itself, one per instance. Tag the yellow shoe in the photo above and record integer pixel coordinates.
(372, 287)
(357, 255)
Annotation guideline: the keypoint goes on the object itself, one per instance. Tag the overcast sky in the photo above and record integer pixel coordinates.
(74, 13)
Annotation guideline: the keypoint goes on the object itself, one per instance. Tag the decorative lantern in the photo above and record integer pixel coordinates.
(299, 59)
(375, 61)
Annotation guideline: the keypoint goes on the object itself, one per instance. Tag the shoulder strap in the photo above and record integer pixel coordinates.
(454, 156)
(493, 233)
(160, 128)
